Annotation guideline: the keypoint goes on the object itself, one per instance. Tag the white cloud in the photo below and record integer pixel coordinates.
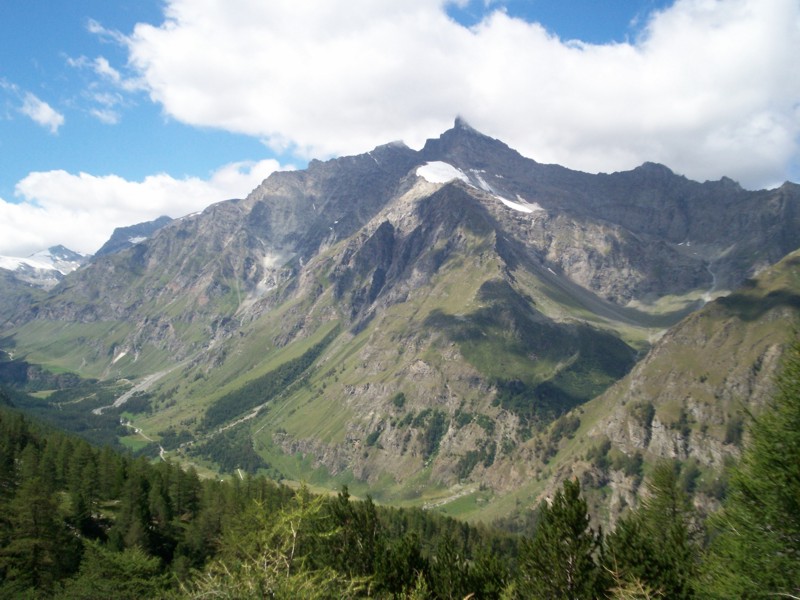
(41, 112)
(711, 88)
(109, 91)
(81, 211)
(30, 105)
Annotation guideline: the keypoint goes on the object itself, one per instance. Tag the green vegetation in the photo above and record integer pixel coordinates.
(264, 388)
(540, 368)
(71, 409)
(755, 550)
(76, 521)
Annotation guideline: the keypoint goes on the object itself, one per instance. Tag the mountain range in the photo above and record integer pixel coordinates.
(457, 327)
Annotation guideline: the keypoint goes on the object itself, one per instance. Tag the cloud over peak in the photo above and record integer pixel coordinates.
(709, 88)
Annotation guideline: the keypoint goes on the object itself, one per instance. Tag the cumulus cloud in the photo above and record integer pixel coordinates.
(710, 88)
(81, 211)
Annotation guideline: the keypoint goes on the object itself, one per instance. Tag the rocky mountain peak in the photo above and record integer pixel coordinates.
(125, 237)
(654, 169)
(466, 147)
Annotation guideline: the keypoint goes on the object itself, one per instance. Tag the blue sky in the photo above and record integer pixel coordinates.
(116, 111)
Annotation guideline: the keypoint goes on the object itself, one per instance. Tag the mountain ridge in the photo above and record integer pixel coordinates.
(362, 322)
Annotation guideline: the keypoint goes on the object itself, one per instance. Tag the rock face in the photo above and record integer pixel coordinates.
(430, 318)
(125, 237)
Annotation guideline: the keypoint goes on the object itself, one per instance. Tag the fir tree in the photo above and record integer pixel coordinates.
(756, 549)
(560, 562)
(657, 545)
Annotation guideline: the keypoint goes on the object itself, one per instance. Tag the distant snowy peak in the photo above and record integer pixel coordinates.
(45, 268)
(442, 172)
(60, 258)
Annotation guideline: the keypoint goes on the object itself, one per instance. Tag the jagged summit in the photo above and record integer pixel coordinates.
(466, 147)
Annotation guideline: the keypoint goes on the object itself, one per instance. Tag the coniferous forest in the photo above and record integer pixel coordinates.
(77, 521)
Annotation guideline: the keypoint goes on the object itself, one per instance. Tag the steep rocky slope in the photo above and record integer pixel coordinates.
(421, 323)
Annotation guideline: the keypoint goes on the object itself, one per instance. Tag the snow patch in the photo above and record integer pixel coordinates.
(137, 239)
(15, 264)
(441, 172)
(119, 356)
(516, 206)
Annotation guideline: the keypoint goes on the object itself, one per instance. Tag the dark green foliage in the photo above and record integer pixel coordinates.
(39, 549)
(561, 561)
(399, 400)
(486, 422)
(565, 426)
(264, 388)
(93, 523)
(139, 403)
(450, 571)
(485, 455)
(71, 409)
(435, 425)
(128, 575)
(658, 544)
(734, 429)
(172, 439)
(357, 541)
(400, 563)
(630, 464)
(598, 455)
(231, 449)
(643, 413)
(463, 418)
(372, 438)
(690, 473)
(755, 550)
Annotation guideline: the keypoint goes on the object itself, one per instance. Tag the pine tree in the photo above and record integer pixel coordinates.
(354, 548)
(560, 562)
(127, 575)
(657, 545)
(401, 565)
(269, 555)
(756, 549)
(41, 550)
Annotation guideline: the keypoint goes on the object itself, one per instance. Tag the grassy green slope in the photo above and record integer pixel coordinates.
(694, 389)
